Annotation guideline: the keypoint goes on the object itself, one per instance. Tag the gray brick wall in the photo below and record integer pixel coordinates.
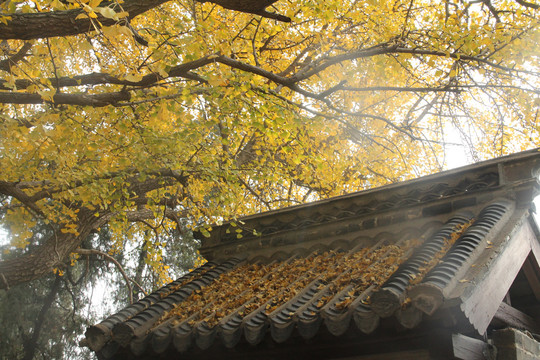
(514, 344)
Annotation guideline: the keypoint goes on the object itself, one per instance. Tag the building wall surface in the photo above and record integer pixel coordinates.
(513, 344)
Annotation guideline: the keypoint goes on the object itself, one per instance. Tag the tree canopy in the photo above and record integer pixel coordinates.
(147, 116)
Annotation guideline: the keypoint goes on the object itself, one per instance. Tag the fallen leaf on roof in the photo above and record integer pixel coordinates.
(248, 287)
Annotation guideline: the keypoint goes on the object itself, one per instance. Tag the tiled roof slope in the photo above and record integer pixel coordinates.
(370, 260)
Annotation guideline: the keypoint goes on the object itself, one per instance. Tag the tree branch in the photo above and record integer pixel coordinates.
(325, 62)
(26, 26)
(10, 189)
(47, 188)
(182, 70)
(115, 262)
(399, 88)
(147, 214)
(458, 56)
(95, 100)
(251, 7)
(15, 58)
(492, 10)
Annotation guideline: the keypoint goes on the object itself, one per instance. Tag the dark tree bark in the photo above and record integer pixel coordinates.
(53, 253)
(251, 7)
(14, 59)
(95, 100)
(65, 23)
(56, 250)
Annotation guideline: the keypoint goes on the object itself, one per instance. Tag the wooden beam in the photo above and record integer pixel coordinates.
(513, 317)
(468, 348)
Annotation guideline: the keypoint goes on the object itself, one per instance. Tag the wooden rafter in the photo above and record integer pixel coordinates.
(509, 316)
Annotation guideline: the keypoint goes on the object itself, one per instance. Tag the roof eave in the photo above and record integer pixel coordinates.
(516, 174)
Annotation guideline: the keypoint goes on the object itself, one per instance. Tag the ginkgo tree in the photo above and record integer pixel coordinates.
(145, 115)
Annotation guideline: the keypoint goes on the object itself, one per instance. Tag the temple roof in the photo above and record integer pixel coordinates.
(446, 247)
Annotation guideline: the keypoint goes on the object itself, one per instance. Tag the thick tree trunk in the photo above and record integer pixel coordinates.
(44, 259)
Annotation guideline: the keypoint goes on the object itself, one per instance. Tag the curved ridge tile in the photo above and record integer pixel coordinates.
(110, 349)
(428, 296)
(255, 325)
(182, 337)
(230, 314)
(308, 317)
(409, 317)
(161, 337)
(309, 322)
(362, 206)
(386, 300)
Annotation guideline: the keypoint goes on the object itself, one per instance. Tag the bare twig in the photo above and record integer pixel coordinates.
(115, 262)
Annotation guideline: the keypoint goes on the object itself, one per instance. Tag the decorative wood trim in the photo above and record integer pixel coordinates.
(481, 301)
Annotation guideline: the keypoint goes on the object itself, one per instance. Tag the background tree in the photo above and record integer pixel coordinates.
(42, 319)
(45, 319)
(145, 117)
